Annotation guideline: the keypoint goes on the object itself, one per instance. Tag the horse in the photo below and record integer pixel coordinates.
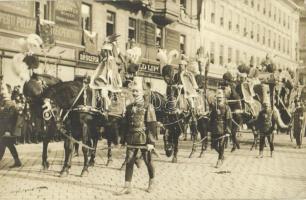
(81, 121)
(33, 90)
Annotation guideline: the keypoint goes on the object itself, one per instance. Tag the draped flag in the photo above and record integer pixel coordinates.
(90, 41)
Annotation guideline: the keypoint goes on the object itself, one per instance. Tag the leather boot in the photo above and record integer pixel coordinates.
(271, 154)
(16, 164)
(151, 185)
(127, 189)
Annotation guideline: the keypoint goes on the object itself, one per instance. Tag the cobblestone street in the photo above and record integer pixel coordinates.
(242, 176)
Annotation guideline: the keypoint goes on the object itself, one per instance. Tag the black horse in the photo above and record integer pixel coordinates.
(33, 90)
(78, 121)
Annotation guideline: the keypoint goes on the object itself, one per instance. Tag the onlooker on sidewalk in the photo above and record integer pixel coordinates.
(298, 123)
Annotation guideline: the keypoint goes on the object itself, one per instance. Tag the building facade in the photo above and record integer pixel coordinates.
(234, 31)
(151, 24)
(302, 44)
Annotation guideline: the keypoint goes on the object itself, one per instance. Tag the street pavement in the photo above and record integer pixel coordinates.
(242, 175)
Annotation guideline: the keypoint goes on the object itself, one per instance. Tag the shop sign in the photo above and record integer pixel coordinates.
(65, 34)
(150, 68)
(85, 57)
(21, 8)
(13, 22)
(68, 13)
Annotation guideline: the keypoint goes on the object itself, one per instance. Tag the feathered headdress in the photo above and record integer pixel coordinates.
(166, 58)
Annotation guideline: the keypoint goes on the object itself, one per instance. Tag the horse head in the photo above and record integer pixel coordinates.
(37, 83)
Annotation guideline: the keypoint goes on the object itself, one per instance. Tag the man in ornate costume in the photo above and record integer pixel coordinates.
(8, 119)
(137, 139)
(220, 125)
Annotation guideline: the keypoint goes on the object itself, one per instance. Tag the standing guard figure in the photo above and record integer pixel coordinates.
(265, 124)
(298, 123)
(8, 119)
(220, 124)
(137, 139)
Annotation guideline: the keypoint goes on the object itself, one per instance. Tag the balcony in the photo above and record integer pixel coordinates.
(166, 11)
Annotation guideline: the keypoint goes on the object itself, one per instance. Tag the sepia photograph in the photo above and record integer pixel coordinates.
(152, 99)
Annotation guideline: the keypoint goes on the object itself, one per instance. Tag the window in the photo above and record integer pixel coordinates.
(230, 20)
(158, 37)
(222, 16)
(274, 41)
(246, 2)
(237, 57)
(258, 33)
(37, 9)
(264, 36)
(110, 23)
(213, 12)
(221, 61)
(49, 10)
(279, 43)
(258, 6)
(257, 61)
(182, 43)
(252, 30)
(229, 55)
(252, 3)
(264, 8)
(274, 14)
(288, 47)
(212, 52)
(245, 56)
(183, 4)
(284, 20)
(238, 24)
(86, 17)
(288, 22)
(269, 9)
(245, 27)
(284, 45)
(279, 16)
(269, 38)
(132, 29)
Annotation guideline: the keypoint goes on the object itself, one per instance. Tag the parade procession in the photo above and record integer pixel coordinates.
(152, 99)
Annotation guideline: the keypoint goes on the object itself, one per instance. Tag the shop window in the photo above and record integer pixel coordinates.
(132, 29)
(159, 37)
(86, 17)
(110, 23)
(182, 44)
